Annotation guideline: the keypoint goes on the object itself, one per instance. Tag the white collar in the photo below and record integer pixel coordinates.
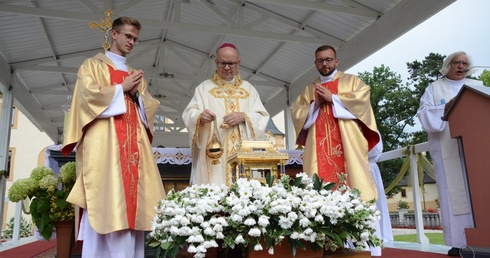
(119, 61)
(324, 79)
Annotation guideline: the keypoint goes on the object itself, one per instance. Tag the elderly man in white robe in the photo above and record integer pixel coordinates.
(225, 106)
(449, 166)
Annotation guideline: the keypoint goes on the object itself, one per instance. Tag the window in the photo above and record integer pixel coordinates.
(15, 114)
(10, 164)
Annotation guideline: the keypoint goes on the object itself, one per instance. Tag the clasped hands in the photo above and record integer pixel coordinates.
(231, 119)
(322, 95)
(132, 81)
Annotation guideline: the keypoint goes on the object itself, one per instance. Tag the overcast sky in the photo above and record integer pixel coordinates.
(463, 25)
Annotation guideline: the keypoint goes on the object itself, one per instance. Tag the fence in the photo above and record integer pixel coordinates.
(430, 220)
(411, 152)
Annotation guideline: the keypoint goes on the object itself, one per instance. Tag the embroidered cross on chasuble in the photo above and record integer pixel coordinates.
(329, 149)
(126, 130)
(230, 94)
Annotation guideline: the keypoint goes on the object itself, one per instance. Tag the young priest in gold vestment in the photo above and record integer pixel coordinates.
(111, 124)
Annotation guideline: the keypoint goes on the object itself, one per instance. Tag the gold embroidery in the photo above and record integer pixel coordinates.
(231, 93)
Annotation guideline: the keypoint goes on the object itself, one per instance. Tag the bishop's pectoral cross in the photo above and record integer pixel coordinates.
(104, 26)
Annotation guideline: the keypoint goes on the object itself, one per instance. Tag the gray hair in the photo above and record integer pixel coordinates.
(447, 63)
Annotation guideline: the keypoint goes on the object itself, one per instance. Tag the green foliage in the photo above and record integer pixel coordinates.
(25, 228)
(424, 72)
(403, 205)
(394, 106)
(485, 77)
(40, 207)
(48, 194)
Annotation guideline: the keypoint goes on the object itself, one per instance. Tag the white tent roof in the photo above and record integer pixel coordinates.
(43, 42)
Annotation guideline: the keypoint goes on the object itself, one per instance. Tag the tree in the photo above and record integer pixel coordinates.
(485, 77)
(423, 73)
(394, 106)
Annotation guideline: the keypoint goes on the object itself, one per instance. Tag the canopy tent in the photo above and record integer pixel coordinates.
(44, 42)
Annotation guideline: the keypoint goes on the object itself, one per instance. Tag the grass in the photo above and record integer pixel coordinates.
(434, 238)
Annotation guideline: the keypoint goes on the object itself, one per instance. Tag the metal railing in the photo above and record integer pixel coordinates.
(431, 220)
(414, 176)
(17, 221)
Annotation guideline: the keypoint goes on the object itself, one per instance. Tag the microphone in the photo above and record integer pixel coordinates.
(478, 66)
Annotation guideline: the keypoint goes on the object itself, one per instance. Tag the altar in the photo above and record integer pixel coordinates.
(174, 164)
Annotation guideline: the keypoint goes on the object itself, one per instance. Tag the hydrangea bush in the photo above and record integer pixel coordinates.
(47, 193)
(255, 216)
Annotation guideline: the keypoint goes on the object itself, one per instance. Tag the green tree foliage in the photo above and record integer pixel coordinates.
(423, 73)
(485, 77)
(394, 106)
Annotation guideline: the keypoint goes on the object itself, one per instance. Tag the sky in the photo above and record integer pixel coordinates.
(462, 26)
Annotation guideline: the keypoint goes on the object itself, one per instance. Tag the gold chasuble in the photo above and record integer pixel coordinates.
(118, 182)
(337, 146)
(222, 98)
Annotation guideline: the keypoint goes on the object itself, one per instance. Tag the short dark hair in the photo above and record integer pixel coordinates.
(119, 22)
(326, 47)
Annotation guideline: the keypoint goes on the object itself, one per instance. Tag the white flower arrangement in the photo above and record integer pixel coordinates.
(249, 214)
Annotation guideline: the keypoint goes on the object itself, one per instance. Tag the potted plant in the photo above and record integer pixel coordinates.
(304, 212)
(47, 193)
(403, 205)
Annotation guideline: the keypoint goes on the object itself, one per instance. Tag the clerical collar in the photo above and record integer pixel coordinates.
(324, 79)
(119, 61)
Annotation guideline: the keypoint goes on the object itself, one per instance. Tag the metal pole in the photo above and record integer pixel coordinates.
(5, 127)
(17, 222)
(419, 223)
(290, 135)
